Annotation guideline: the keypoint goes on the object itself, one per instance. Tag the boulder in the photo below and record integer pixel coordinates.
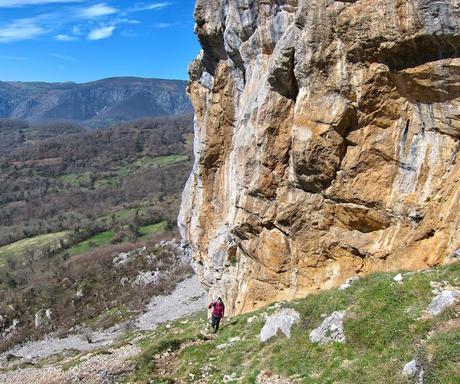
(414, 370)
(282, 320)
(231, 342)
(398, 278)
(330, 330)
(443, 300)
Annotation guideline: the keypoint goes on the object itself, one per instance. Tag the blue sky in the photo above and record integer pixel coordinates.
(51, 40)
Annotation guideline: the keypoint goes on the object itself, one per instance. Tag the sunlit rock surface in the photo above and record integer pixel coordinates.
(326, 143)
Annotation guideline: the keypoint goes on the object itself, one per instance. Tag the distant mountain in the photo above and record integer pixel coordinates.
(95, 103)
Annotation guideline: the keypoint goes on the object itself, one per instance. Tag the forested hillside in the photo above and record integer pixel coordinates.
(74, 179)
(71, 199)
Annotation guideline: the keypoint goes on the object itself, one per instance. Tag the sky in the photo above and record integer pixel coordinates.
(82, 40)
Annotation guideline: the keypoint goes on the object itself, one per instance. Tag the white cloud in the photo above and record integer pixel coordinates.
(151, 6)
(21, 3)
(163, 25)
(126, 21)
(129, 34)
(101, 33)
(98, 10)
(61, 57)
(76, 30)
(73, 23)
(22, 29)
(64, 37)
(13, 58)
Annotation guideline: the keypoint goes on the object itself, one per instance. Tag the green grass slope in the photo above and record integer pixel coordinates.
(21, 247)
(386, 326)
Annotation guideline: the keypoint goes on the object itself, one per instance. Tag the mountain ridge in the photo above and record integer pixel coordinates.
(94, 103)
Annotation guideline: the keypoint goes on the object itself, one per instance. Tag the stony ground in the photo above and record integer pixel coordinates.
(96, 362)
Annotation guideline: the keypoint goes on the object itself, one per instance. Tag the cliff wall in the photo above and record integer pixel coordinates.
(326, 140)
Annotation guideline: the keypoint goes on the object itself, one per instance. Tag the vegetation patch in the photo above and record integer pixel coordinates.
(154, 228)
(69, 178)
(95, 241)
(98, 288)
(19, 248)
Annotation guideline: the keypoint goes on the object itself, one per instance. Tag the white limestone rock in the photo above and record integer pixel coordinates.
(413, 370)
(282, 320)
(443, 300)
(143, 279)
(38, 321)
(330, 330)
(410, 369)
(11, 329)
(231, 342)
(398, 278)
(348, 283)
(79, 293)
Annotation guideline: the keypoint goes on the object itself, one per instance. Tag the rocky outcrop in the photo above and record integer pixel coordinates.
(326, 143)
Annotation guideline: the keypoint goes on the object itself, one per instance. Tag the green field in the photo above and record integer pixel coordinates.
(160, 161)
(154, 228)
(21, 247)
(114, 178)
(95, 241)
(105, 238)
(76, 179)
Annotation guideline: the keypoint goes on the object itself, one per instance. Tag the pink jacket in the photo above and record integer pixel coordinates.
(219, 308)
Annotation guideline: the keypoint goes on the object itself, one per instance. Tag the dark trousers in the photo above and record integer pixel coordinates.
(215, 323)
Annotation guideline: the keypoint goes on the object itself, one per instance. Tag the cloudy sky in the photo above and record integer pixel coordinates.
(81, 40)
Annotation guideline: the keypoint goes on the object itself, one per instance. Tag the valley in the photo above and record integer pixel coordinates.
(72, 199)
(95, 104)
(288, 215)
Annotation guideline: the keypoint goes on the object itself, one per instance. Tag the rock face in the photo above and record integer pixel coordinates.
(326, 143)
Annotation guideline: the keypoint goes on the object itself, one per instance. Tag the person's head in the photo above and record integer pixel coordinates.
(219, 299)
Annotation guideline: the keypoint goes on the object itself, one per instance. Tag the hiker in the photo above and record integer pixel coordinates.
(217, 313)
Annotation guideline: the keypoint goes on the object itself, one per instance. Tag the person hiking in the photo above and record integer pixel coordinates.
(217, 313)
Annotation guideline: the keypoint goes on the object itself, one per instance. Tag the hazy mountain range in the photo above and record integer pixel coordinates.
(95, 103)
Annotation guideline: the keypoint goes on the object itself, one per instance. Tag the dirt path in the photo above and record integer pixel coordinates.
(166, 362)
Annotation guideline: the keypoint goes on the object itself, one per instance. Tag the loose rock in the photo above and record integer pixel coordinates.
(330, 331)
(443, 300)
(283, 319)
(348, 283)
(413, 369)
(398, 278)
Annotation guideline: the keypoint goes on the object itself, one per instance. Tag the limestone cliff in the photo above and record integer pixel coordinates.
(327, 143)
